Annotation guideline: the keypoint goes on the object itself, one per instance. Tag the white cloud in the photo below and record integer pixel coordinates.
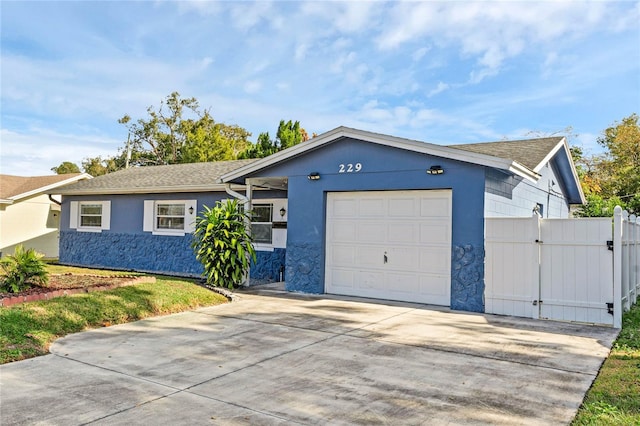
(492, 32)
(36, 151)
(246, 16)
(252, 86)
(419, 54)
(202, 7)
(441, 87)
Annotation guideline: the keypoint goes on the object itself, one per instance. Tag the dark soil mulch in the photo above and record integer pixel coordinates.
(69, 281)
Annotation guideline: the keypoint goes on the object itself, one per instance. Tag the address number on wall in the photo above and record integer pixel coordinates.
(349, 168)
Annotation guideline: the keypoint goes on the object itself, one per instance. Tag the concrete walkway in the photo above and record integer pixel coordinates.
(275, 358)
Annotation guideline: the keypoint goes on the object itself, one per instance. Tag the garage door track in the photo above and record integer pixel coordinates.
(287, 359)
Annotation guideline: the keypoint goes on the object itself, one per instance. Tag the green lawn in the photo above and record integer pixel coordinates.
(54, 268)
(28, 329)
(614, 397)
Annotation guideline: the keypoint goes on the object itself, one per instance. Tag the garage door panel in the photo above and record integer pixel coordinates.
(435, 287)
(403, 259)
(371, 231)
(434, 260)
(435, 207)
(435, 232)
(376, 207)
(402, 207)
(369, 256)
(343, 255)
(343, 231)
(343, 279)
(402, 232)
(367, 281)
(344, 208)
(404, 283)
(413, 230)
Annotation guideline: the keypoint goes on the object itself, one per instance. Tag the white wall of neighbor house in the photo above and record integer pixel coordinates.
(511, 197)
(32, 222)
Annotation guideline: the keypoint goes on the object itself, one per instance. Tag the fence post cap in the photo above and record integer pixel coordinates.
(617, 211)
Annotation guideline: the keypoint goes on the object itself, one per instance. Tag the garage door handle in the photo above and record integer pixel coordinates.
(385, 257)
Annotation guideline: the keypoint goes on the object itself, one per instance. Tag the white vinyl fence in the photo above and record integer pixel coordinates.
(626, 265)
(562, 269)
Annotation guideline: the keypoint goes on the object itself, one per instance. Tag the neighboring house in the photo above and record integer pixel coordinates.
(348, 212)
(29, 216)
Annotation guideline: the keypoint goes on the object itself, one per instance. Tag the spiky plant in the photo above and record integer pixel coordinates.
(222, 243)
(22, 270)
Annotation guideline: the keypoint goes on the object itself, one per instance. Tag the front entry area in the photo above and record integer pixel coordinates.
(393, 245)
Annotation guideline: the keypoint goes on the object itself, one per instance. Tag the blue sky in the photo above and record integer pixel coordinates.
(439, 72)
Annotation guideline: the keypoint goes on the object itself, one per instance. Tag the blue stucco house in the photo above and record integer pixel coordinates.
(348, 212)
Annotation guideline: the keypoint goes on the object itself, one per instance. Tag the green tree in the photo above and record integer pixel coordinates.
(97, 166)
(622, 141)
(207, 140)
(178, 132)
(289, 134)
(65, 167)
(612, 178)
(222, 244)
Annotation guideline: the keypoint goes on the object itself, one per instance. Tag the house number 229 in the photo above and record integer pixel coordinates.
(349, 168)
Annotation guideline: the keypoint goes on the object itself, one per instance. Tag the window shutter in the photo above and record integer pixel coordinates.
(147, 225)
(190, 219)
(106, 215)
(73, 215)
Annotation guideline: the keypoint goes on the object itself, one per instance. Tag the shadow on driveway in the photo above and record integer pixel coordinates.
(275, 358)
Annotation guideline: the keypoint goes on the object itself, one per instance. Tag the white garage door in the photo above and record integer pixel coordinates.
(393, 245)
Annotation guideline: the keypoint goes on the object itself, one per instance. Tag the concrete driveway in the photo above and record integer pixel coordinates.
(282, 358)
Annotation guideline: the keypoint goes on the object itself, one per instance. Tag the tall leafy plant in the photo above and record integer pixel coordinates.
(222, 243)
(22, 270)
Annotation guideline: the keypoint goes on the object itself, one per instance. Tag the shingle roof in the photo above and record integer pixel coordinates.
(12, 186)
(529, 152)
(195, 177)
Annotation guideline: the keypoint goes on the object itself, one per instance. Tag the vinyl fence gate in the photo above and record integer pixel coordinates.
(583, 270)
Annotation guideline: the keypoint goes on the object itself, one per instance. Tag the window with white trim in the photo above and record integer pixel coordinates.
(90, 216)
(262, 223)
(169, 217)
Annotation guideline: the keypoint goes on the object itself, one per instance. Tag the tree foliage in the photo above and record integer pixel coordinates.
(97, 166)
(612, 178)
(65, 167)
(222, 243)
(289, 134)
(178, 131)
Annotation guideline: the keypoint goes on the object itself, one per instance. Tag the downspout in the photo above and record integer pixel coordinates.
(234, 194)
(54, 200)
(246, 202)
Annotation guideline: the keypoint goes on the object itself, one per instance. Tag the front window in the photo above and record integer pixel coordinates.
(170, 216)
(261, 223)
(90, 215)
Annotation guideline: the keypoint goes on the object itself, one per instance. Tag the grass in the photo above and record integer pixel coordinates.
(614, 397)
(54, 268)
(27, 330)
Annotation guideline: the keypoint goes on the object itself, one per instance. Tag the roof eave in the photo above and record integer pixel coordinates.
(550, 155)
(392, 141)
(48, 189)
(562, 144)
(145, 190)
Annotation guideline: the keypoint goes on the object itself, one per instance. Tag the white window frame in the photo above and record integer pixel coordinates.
(151, 217)
(75, 213)
(257, 244)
